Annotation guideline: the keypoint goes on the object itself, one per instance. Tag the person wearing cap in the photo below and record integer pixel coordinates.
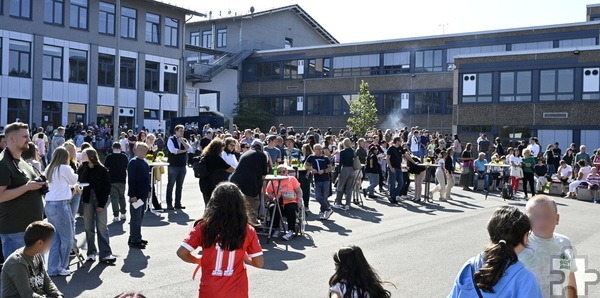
(248, 176)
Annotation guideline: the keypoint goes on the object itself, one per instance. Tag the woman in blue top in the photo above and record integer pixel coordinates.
(497, 271)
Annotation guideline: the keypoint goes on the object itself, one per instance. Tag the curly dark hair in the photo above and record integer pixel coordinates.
(225, 218)
(214, 148)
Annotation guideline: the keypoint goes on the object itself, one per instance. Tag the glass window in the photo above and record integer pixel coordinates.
(341, 103)
(222, 38)
(360, 65)
(394, 102)
(18, 110)
(128, 73)
(106, 70)
(289, 106)
(268, 71)
(195, 38)
(291, 70)
(171, 32)
(51, 113)
(152, 76)
(152, 28)
(19, 58)
(106, 20)
(427, 103)
(77, 113)
(581, 42)
(532, 45)
(288, 43)
(556, 84)
(451, 53)
(128, 22)
(207, 39)
(316, 105)
(53, 11)
(53, 57)
(20, 8)
(170, 82)
(151, 114)
(427, 61)
(483, 91)
(515, 86)
(79, 14)
(319, 68)
(77, 66)
(394, 63)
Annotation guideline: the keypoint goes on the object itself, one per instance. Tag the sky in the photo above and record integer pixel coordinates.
(355, 21)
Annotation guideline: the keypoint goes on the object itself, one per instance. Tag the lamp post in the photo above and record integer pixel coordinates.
(160, 112)
(116, 104)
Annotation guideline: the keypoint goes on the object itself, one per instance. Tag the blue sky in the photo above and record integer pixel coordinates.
(353, 21)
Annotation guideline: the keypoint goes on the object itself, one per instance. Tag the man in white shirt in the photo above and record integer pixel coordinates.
(534, 147)
(415, 142)
(177, 154)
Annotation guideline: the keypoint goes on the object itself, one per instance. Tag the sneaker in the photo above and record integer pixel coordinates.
(137, 245)
(337, 206)
(398, 198)
(123, 217)
(288, 236)
(321, 215)
(91, 258)
(364, 192)
(64, 272)
(116, 219)
(346, 207)
(179, 207)
(372, 197)
(327, 214)
(110, 259)
(276, 234)
(392, 200)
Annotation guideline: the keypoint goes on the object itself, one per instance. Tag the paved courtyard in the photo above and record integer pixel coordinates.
(418, 248)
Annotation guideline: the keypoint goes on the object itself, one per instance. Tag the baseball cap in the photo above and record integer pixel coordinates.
(257, 144)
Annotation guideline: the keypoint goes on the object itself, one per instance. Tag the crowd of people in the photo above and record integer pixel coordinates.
(60, 176)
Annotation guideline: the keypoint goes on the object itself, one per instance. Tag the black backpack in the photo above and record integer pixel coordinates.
(507, 192)
(199, 166)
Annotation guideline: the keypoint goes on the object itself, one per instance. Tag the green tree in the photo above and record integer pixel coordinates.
(250, 114)
(363, 111)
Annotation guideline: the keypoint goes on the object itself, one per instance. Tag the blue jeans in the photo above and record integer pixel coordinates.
(395, 182)
(60, 216)
(373, 181)
(176, 178)
(135, 223)
(12, 242)
(551, 170)
(75, 202)
(321, 194)
(96, 222)
(481, 175)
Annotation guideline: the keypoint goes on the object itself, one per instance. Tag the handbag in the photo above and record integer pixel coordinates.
(356, 165)
(466, 168)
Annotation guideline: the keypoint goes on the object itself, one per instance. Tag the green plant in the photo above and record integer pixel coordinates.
(250, 113)
(363, 111)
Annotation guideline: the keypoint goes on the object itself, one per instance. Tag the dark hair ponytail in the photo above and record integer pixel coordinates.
(507, 229)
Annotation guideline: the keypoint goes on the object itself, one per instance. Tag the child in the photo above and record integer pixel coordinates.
(138, 189)
(497, 271)
(23, 274)
(547, 248)
(441, 178)
(116, 163)
(593, 180)
(353, 274)
(227, 240)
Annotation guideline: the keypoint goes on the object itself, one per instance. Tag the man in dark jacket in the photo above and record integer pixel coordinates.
(249, 176)
(138, 190)
(116, 163)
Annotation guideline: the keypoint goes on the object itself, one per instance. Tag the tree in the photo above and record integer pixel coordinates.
(363, 111)
(250, 114)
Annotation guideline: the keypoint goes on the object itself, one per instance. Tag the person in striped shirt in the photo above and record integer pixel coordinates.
(593, 180)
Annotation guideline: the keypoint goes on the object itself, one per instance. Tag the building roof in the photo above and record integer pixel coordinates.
(445, 36)
(166, 4)
(529, 52)
(294, 8)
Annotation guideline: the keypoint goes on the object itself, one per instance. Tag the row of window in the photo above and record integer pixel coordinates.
(517, 86)
(419, 103)
(20, 59)
(79, 18)
(205, 38)
(385, 63)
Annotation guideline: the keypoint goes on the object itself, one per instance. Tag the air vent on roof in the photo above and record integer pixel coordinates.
(557, 115)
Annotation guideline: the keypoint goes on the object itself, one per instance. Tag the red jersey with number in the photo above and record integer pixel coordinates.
(223, 272)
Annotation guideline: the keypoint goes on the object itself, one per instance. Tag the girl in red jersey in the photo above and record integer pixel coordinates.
(227, 240)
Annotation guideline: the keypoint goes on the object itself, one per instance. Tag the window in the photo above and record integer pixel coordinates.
(394, 63)
(128, 73)
(195, 38)
(268, 71)
(19, 58)
(427, 103)
(291, 70)
(316, 105)
(427, 61)
(18, 110)
(483, 88)
(207, 39)
(106, 21)
(451, 53)
(394, 102)
(474, 129)
(20, 8)
(556, 84)
(171, 32)
(288, 43)
(51, 113)
(571, 43)
(79, 14)
(128, 22)
(152, 28)
(76, 113)
(515, 86)
(106, 70)
(222, 38)
(319, 68)
(53, 11)
(532, 45)
(77, 66)
(360, 65)
(151, 114)
(513, 134)
(152, 76)
(170, 82)
(289, 106)
(53, 57)
(169, 114)
(341, 104)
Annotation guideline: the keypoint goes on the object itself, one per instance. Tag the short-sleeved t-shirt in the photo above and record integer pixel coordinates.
(223, 272)
(17, 214)
(284, 186)
(396, 155)
(319, 163)
(550, 260)
(275, 153)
